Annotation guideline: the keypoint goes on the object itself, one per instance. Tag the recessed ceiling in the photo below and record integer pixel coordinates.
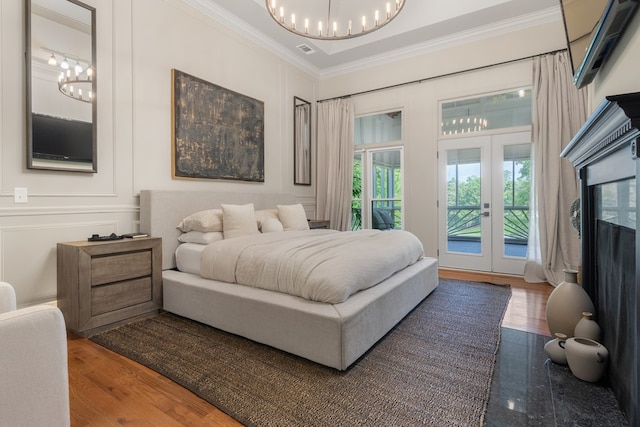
(422, 25)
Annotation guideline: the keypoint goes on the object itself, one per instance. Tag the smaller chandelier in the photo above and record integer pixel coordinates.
(75, 82)
(331, 27)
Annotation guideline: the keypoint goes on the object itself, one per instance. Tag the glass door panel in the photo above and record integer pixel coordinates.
(386, 191)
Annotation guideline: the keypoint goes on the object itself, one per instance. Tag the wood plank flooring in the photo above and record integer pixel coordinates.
(107, 389)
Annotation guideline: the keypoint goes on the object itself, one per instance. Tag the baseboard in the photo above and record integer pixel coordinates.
(482, 276)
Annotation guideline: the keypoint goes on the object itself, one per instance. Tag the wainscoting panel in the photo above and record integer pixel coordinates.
(28, 251)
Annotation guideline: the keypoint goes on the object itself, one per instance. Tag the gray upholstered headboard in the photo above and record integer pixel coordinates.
(162, 210)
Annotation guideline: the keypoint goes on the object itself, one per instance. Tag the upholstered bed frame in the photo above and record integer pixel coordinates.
(334, 335)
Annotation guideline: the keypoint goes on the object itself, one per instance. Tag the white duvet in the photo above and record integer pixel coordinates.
(319, 265)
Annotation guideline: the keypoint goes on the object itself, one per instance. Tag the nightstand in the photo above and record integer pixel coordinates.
(108, 283)
(318, 223)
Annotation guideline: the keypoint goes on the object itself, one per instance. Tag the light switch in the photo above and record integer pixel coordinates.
(20, 195)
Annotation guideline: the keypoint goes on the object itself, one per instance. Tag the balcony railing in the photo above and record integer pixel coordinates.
(463, 223)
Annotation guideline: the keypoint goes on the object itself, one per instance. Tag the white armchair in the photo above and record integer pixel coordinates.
(34, 380)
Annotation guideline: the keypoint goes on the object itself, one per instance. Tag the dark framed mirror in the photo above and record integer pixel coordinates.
(61, 85)
(301, 141)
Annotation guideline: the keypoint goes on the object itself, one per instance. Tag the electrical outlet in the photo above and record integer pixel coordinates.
(19, 195)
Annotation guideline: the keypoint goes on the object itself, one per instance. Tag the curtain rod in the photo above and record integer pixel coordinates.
(440, 76)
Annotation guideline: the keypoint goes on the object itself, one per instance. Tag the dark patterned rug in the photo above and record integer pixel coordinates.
(434, 368)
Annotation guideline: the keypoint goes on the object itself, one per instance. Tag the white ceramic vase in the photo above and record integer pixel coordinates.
(587, 327)
(566, 304)
(587, 358)
(555, 349)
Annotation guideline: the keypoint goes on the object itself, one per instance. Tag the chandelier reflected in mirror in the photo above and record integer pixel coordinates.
(333, 19)
(76, 78)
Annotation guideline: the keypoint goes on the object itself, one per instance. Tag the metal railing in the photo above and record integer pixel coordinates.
(463, 223)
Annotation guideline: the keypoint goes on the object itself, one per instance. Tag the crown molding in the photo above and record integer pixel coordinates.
(506, 26)
(496, 29)
(231, 21)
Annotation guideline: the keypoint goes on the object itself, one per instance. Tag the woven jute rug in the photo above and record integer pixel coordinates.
(434, 368)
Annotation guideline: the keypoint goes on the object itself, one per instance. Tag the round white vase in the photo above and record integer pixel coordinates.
(566, 304)
(555, 349)
(587, 327)
(587, 358)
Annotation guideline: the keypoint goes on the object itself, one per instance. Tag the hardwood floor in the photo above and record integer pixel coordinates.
(107, 389)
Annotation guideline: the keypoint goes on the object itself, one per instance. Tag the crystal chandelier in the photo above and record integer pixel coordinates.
(312, 19)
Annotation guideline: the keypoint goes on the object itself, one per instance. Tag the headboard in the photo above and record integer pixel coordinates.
(162, 210)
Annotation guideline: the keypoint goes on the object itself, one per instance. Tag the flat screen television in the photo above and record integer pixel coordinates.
(592, 28)
(55, 138)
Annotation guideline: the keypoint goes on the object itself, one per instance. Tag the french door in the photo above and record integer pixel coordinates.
(483, 202)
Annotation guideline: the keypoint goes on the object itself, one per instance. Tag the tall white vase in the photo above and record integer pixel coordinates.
(566, 304)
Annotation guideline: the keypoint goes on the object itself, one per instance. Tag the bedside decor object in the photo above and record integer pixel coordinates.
(555, 349)
(587, 327)
(216, 133)
(587, 358)
(106, 283)
(566, 304)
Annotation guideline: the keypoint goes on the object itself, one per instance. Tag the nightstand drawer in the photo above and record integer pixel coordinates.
(115, 268)
(119, 295)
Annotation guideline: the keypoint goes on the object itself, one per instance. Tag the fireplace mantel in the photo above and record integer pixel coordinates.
(605, 153)
(613, 125)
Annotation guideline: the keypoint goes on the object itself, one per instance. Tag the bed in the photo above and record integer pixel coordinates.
(332, 334)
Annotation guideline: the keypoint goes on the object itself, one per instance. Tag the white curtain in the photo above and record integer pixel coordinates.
(560, 110)
(335, 162)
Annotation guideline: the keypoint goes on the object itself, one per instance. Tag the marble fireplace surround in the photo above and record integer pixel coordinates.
(605, 150)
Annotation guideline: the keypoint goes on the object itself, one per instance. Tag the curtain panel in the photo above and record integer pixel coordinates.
(560, 109)
(335, 162)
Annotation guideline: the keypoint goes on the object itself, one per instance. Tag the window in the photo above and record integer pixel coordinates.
(377, 172)
(497, 111)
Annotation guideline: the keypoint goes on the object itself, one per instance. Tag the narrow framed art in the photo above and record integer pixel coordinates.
(216, 133)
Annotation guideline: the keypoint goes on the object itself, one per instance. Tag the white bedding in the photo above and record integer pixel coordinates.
(319, 265)
(188, 257)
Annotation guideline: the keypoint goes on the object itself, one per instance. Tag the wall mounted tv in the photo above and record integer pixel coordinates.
(56, 138)
(592, 28)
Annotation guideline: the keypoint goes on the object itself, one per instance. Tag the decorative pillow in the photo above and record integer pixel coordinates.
(271, 225)
(264, 214)
(200, 237)
(239, 220)
(293, 217)
(209, 220)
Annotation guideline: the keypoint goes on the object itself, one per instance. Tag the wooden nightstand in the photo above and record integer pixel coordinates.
(318, 223)
(105, 284)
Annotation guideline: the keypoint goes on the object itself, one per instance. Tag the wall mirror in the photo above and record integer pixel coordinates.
(61, 85)
(301, 141)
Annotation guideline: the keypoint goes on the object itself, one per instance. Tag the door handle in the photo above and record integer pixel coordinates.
(486, 213)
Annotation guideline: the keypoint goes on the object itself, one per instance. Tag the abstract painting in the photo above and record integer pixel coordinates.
(217, 133)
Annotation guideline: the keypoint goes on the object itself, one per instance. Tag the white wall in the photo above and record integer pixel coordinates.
(138, 43)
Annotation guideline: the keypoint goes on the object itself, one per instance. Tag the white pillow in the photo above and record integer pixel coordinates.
(293, 217)
(200, 237)
(264, 214)
(239, 220)
(209, 220)
(271, 225)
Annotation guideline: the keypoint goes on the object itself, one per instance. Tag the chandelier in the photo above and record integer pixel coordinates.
(331, 19)
(76, 78)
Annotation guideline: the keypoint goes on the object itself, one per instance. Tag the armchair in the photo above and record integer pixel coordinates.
(34, 381)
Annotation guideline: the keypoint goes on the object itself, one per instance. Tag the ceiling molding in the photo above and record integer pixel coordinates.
(496, 29)
(506, 26)
(231, 21)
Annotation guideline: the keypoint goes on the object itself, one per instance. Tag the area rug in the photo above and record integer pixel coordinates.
(434, 368)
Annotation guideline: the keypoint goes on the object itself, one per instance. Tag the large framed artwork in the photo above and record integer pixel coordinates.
(217, 133)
